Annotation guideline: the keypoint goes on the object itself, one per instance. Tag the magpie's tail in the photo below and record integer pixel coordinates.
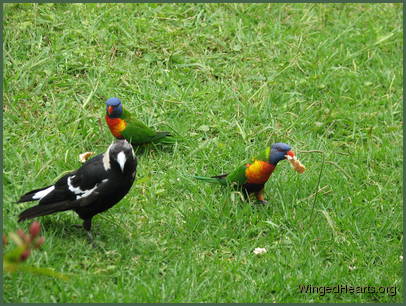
(36, 194)
(44, 210)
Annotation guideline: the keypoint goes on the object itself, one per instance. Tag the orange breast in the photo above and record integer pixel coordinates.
(116, 126)
(259, 172)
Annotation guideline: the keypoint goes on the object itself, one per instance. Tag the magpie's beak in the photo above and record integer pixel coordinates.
(110, 109)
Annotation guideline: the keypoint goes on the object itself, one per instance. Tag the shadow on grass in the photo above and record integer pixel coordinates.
(105, 234)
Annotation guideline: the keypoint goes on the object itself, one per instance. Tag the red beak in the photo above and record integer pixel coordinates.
(291, 153)
(110, 109)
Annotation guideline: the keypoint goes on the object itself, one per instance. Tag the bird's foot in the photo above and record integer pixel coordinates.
(91, 239)
(87, 225)
(262, 202)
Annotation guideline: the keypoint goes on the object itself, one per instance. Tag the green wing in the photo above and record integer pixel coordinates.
(237, 176)
(136, 132)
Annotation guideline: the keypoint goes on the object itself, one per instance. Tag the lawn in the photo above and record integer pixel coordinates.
(228, 79)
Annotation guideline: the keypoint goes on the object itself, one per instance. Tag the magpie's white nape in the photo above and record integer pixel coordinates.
(96, 186)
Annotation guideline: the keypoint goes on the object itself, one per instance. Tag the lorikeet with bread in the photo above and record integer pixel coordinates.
(252, 177)
(124, 126)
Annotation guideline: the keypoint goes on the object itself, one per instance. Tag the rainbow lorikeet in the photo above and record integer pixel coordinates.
(251, 178)
(123, 125)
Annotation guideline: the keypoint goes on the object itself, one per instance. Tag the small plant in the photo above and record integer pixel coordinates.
(15, 259)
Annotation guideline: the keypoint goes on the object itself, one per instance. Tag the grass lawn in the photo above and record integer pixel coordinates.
(228, 78)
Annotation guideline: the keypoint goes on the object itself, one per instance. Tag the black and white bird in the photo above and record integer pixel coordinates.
(96, 186)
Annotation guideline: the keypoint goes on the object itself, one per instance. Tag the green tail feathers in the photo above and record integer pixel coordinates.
(215, 180)
(164, 137)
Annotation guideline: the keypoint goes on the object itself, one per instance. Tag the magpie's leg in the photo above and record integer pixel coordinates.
(87, 225)
(90, 236)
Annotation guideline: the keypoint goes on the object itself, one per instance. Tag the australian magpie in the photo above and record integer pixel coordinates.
(96, 186)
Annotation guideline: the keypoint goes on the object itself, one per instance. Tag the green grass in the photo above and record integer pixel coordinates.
(229, 78)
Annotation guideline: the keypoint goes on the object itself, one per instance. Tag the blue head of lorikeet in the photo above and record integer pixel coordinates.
(278, 152)
(114, 108)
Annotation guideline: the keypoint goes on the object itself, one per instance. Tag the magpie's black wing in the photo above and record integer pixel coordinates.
(52, 207)
(75, 189)
(78, 184)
